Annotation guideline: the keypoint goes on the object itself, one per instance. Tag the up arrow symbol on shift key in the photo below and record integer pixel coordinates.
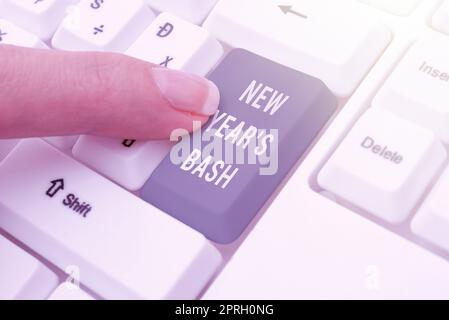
(56, 186)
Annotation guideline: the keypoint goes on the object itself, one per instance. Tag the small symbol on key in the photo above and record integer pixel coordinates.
(96, 4)
(2, 34)
(128, 143)
(165, 30)
(167, 60)
(56, 186)
(99, 29)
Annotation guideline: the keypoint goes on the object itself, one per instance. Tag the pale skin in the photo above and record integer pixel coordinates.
(55, 93)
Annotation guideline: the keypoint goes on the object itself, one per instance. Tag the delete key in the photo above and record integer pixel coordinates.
(218, 178)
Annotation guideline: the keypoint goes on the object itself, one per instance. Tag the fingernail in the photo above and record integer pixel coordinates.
(187, 92)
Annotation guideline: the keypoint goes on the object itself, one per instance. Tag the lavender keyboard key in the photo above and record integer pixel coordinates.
(217, 179)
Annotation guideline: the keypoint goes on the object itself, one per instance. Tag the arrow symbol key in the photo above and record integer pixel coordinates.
(289, 9)
(56, 186)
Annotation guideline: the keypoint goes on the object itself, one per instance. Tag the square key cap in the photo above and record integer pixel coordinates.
(217, 179)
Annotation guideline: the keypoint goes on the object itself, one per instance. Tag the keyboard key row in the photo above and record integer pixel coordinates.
(123, 247)
(42, 18)
(325, 44)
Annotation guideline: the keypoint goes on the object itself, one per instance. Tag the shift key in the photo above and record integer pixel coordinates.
(217, 179)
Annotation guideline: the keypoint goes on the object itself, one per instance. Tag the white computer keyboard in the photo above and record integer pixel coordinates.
(362, 215)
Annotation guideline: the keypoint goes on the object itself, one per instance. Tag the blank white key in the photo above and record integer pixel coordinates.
(6, 146)
(383, 165)
(123, 247)
(177, 44)
(69, 291)
(432, 220)
(103, 26)
(127, 162)
(194, 11)
(440, 20)
(335, 41)
(21, 275)
(40, 17)
(418, 89)
(397, 7)
(12, 34)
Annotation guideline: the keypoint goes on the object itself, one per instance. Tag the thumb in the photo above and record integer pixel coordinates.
(55, 93)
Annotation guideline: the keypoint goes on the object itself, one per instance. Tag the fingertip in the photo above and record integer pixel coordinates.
(212, 101)
(187, 92)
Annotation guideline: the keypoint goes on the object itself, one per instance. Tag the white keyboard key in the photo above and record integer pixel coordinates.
(383, 165)
(63, 143)
(127, 162)
(174, 43)
(432, 220)
(69, 291)
(194, 11)
(123, 247)
(418, 89)
(6, 146)
(335, 41)
(39, 17)
(21, 275)
(12, 34)
(397, 7)
(440, 20)
(103, 26)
